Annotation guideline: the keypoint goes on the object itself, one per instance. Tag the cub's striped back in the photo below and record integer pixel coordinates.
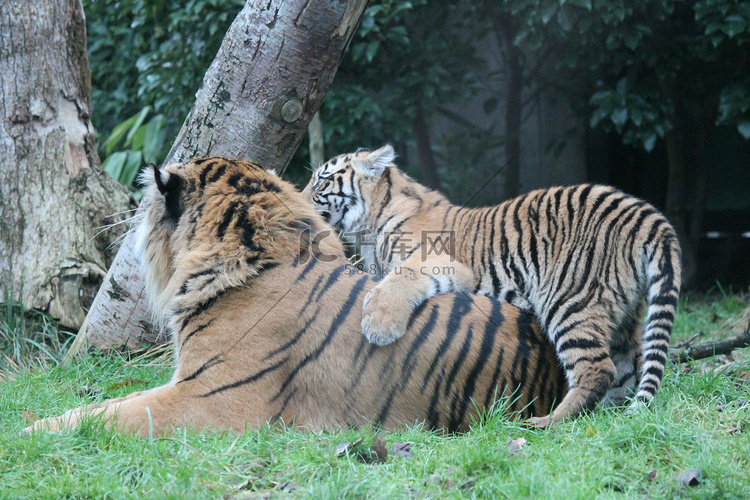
(587, 260)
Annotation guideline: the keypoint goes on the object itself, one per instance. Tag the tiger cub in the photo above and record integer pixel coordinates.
(264, 313)
(584, 259)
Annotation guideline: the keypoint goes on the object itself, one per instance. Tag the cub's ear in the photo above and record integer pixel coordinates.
(374, 164)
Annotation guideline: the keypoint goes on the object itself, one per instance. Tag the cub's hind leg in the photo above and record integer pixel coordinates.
(625, 349)
(582, 348)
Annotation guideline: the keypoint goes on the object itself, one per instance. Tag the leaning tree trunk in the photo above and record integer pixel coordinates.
(269, 77)
(53, 195)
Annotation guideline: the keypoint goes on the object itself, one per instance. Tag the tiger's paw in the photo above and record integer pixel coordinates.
(68, 421)
(384, 320)
(51, 424)
(541, 422)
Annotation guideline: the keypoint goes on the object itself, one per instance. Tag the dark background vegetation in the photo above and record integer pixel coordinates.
(651, 96)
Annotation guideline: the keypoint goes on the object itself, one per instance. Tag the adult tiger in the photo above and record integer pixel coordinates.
(583, 259)
(264, 312)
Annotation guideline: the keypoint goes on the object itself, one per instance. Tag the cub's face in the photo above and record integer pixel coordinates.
(340, 188)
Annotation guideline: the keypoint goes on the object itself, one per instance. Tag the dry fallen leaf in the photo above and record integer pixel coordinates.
(740, 402)
(29, 416)
(690, 477)
(86, 391)
(467, 483)
(379, 449)
(514, 446)
(735, 428)
(126, 383)
(343, 447)
(287, 486)
(401, 450)
(446, 483)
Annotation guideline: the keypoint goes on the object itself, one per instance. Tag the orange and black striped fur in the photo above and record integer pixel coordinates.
(265, 310)
(586, 260)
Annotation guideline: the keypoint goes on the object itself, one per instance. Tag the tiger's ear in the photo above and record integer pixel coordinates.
(374, 164)
(159, 180)
(170, 185)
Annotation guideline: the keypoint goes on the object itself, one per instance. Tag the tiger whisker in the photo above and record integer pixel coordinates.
(120, 213)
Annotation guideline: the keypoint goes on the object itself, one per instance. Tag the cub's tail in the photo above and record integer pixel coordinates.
(663, 272)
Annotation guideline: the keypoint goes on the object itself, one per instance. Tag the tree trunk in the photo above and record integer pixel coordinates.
(317, 141)
(54, 195)
(676, 210)
(424, 149)
(705, 125)
(513, 106)
(268, 79)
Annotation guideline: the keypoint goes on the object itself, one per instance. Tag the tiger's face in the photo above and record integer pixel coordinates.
(339, 189)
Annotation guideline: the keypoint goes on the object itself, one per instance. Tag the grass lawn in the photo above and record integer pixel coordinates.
(602, 454)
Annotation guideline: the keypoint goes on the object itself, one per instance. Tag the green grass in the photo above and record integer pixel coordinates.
(602, 454)
(28, 338)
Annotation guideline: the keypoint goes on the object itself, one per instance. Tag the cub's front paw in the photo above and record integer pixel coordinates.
(384, 318)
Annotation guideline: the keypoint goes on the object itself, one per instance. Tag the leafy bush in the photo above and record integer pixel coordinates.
(151, 53)
(144, 143)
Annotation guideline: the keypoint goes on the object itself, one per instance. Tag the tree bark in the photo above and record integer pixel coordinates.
(700, 195)
(676, 210)
(317, 141)
(513, 106)
(268, 79)
(53, 193)
(708, 349)
(428, 166)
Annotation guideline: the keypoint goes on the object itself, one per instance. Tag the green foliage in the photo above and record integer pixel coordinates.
(648, 66)
(639, 117)
(405, 55)
(132, 145)
(151, 53)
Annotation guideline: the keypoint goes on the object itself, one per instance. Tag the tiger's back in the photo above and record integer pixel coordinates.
(460, 353)
(264, 313)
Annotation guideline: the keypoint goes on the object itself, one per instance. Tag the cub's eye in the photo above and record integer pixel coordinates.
(319, 182)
